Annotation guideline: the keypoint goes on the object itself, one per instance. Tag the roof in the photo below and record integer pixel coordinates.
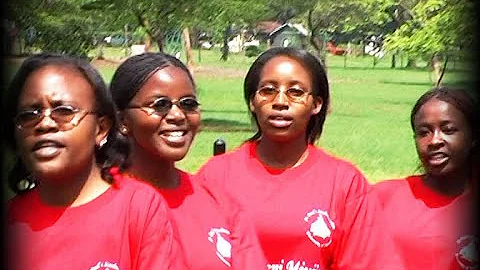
(302, 30)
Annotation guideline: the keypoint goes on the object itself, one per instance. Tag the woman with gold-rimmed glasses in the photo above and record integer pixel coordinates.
(78, 211)
(310, 208)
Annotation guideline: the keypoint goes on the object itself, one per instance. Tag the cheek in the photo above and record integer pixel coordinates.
(194, 122)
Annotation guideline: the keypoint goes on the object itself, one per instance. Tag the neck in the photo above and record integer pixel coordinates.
(72, 189)
(159, 173)
(282, 155)
(453, 184)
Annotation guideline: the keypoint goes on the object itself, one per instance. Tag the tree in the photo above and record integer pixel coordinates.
(437, 26)
(60, 26)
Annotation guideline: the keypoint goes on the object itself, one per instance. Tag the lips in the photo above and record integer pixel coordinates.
(437, 158)
(280, 121)
(174, 137)
(46, 149)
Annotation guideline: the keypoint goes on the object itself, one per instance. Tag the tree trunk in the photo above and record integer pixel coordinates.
(159, 39)
(226, 37)
(188, 49)
(411, 63)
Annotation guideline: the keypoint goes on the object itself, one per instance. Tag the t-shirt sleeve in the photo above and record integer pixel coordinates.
(159, 247)
(363, 244)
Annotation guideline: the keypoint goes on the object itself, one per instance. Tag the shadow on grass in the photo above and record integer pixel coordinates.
(408, 83)
(212, 124)
(225, 111)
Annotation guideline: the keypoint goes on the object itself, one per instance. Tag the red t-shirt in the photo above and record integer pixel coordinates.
(213, 231)
(313, 216)
(429, 230)
(127, 227)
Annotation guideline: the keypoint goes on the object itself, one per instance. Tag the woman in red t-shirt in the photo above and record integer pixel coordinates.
(77, 211)
(310, 208)
(156, 96)
(429, 215)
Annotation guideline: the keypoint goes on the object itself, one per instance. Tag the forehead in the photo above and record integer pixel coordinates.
(168, 81)
(285, 66)
(57, 82)
(438, 110)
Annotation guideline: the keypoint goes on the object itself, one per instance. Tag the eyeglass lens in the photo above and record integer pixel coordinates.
(60, 114)
(294, 94)
(163, 105)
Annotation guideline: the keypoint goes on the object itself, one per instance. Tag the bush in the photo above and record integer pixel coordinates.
(252, 51)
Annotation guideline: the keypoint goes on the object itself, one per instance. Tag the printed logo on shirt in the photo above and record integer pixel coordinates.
(105, 266)
(220, 238)
(293, 265)
(467, 254)
(321, 227)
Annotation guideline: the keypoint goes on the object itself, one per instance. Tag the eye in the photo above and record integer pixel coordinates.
(449, 130)
(295, 92)
(421, 132)
(161, 104)
(27, 116)
(64, 110)
(189, 104)
(267, 91)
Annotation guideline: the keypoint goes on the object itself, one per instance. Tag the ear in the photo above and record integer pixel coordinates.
(317, 105)
(251, 106)
(123, 120)
(104, 125)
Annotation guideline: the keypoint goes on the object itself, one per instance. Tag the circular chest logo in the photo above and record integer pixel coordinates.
(321, 227)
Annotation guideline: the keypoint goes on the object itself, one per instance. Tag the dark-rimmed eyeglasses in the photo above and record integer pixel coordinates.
(163, 105)
(269, 93)
(61, 115)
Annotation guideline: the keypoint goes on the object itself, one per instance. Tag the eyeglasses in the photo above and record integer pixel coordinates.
(163, 105)
(61, 115)
(269, 93)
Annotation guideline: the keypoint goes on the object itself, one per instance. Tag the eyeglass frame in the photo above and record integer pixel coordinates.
(41, 113)
(298, 99)
(148, 109)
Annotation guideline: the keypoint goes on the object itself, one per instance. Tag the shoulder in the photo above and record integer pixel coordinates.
(136, 192)
(341, 168)
(20, 203)
(230, 157)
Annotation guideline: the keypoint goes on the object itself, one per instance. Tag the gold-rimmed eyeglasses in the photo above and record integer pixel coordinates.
(269, 93)
(163, 105)
(61, 115)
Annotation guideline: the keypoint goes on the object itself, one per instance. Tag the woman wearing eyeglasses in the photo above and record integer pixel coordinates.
(309, 207)
(79, 212)
(155, 94)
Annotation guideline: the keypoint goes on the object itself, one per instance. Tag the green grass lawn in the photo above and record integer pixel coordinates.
(368, 122)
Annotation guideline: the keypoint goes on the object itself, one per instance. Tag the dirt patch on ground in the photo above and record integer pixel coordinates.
(223, 72)
(198, 70)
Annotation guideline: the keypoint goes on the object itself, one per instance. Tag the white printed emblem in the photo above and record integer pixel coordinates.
(467, 252)
(105, 266)
(321, 227)
(219, 236)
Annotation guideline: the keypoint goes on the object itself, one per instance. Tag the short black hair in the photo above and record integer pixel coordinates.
(113, 153)
(132, 74)
(319, 83)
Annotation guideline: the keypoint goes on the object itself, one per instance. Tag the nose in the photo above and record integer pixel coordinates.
(175, 114)
(437, 138)
(46, 122)
(281, 97)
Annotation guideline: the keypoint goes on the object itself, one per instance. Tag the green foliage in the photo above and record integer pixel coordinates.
(438, 26)
(252, 51)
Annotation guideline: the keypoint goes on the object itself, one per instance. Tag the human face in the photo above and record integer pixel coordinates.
(443, 138)
(284, 118)
(169, 135)
(51, 149)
